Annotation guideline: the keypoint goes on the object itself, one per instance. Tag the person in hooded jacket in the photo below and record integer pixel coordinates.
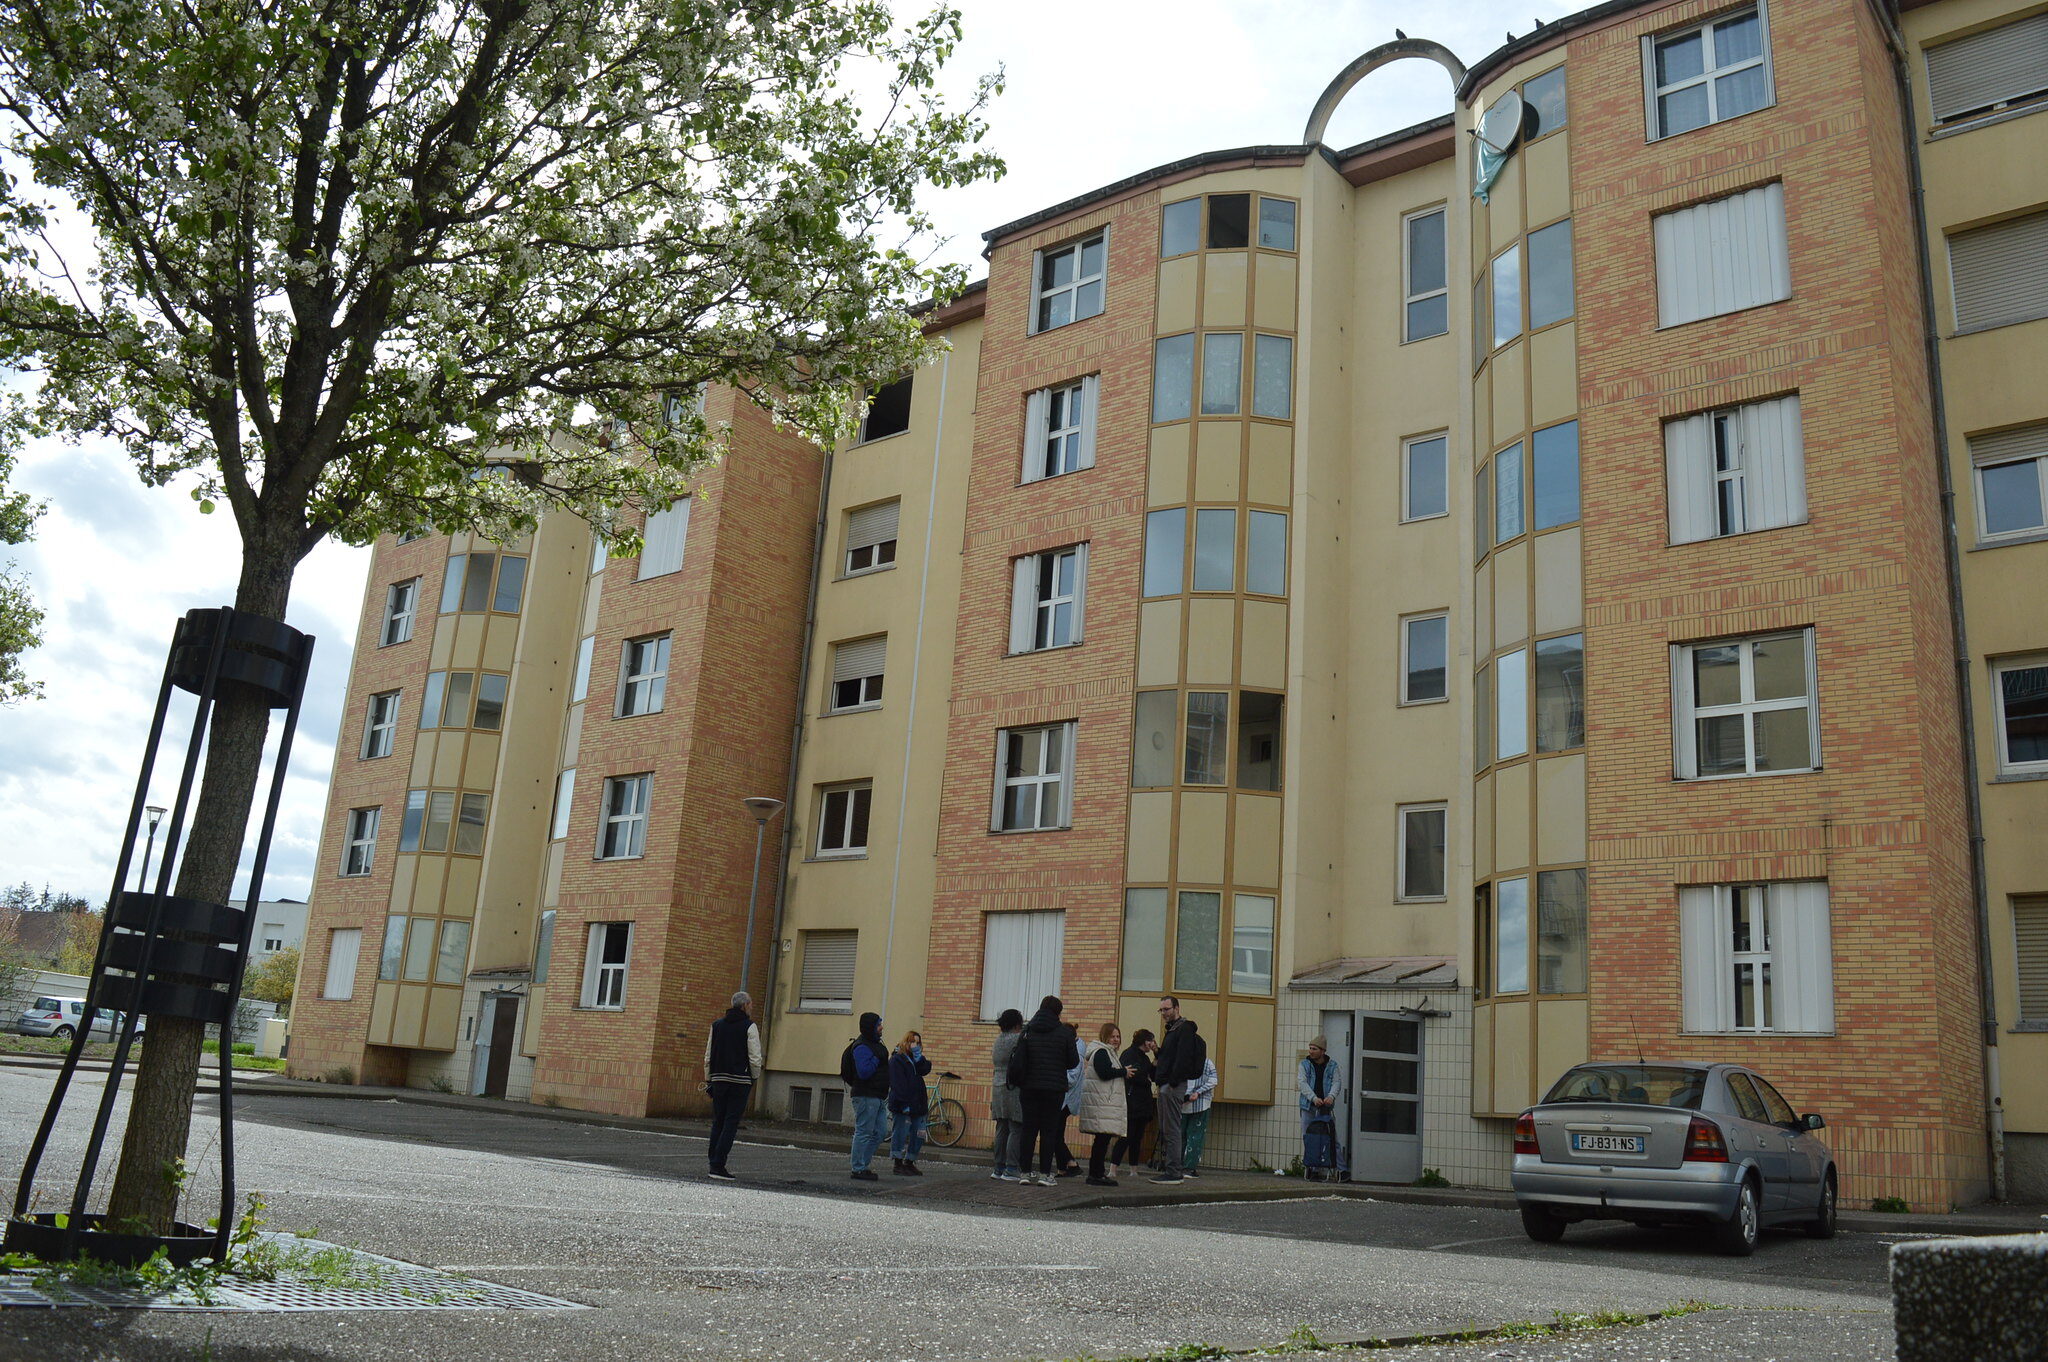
(1045, 1053)
(864, 1068)
(1139, 1103)
(732, 1061)
(910, 1103)
(1005, 1107)
(1103, 1100)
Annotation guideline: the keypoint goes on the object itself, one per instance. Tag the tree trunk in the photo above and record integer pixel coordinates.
(146, 1184)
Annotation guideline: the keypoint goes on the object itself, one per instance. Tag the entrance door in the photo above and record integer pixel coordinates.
(497, 1035)
(1337, 1027)
(1387, 1104)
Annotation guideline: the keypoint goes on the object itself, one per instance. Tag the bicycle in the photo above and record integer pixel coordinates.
(947, 1121)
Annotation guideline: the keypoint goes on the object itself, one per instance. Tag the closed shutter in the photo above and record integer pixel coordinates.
(872, 525)
(1037, 407)
(2000, 273)
(1020, 960)
(344, 949)
(2006, 445)
(862, 657)
(1773, 464)
(1023, 602)
(1722, 256)
(1802, 957)
(663, 551)
(1985, 70)
(1702, 927)
(2030, 940)
(827, 980)
(1090, 387)
(1689, 478)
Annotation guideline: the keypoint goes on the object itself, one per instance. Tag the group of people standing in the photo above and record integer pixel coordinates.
(1043, 1073)
(886, 1082)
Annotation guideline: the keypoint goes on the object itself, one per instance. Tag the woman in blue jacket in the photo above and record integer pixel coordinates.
(910, 1103)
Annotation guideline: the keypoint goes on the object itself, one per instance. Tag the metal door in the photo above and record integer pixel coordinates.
(1387, 1098)
(1337, 1027)
(497, 1035)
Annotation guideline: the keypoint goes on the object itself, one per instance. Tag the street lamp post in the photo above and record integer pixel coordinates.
(156, 816)
(763, 808)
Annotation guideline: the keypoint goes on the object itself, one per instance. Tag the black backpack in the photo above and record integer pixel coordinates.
(846, 1070)
(1019, 1065)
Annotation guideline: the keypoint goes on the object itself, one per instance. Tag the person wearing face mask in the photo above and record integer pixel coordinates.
(910, 1103)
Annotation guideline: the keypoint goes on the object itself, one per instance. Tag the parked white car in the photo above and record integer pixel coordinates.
(61, 1017)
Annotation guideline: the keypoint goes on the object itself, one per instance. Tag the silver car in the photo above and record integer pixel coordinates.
(1655, 1144)
(61, 1017)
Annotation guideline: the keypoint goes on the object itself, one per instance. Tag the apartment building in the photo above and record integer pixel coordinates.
(1488, 596)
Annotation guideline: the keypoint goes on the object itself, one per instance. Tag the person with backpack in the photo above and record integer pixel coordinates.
(1005, 1106)
(910, 1103)
(1181, 1057)
(1038, 1067)
(1103, 1101)
(732, 1061)
(864, 1068)
(1320, 1084)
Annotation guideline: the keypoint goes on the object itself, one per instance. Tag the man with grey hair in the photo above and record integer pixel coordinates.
(732, 1061)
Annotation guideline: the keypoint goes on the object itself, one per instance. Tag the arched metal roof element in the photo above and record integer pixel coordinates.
(1398, 50)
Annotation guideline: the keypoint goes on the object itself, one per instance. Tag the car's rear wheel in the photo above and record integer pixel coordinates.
(1542, 1226)
(63, 1033)
(1822, 1226)
(1737, 1235)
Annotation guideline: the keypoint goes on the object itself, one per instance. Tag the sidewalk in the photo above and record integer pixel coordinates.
(1070, 1194)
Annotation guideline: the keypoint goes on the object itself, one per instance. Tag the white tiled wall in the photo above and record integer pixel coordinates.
(1470, 1152)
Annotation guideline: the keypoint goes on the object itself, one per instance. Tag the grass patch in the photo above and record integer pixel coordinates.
(1891, 1205)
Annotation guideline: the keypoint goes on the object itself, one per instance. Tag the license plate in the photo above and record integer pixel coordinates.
(1607, 1144)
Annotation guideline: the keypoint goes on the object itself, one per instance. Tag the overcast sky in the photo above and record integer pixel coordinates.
(1096, 92)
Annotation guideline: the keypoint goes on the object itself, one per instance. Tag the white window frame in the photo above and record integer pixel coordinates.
(622, 832)
(1033, 612)
(1408, 296)
(1763, 486)
(565, 798)
(604, 984)
(1020, 958)
(579, 686)
(876, 563)
(1797, 950)
(1402, 814)
(1684, 711)
(401, 608)
(2029, 444)
(1408, 516)
(1039, 293)
(850, 663)
(642, 691)
(359, 842)
(1408, 622)
(380, 724)
(1054, 789)
(1708, 71)
(843, 819)
(1986, 53)
(344, 958)
(665, 540)
(1999, 667)
(816, 999)
(1076, 434)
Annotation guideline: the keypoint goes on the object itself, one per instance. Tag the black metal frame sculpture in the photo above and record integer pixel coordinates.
(165, 956)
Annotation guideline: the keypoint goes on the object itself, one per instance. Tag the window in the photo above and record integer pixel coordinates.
(662, 541)
(843, 820)
(2011, 470)
(1059, 429)
(1047, 594)
(464, 700)
(1173, 378)
(443, 820)
(825, 973)
(1215, 549)
(1423, 835)
(1481, 326)
(1180, 227)
(1506, 273)
(1273, 377)
(1554, 476)
(1561, 931)
(1152, 749)
(1207, 748)
(419, 949)
(1722, 256)
(401, 604)
(1482, 718)
(1425, 658)
(1222, 373)
(1020, 960)
(1276, 224)
(273, 936)
(888, 411)
(1260, 729)
(2020, 691)
(600, 553)
(1544, 97)
(1251, 944)
(857, 669)
(1735, 471)
(359, 847)
(490, 701)
(1425, 477)
(643, 675)
(392, 956)
(1708, 74)
(2030, 949)
(1265, 553)
(1069, 283)
(344, 952)
(1511, 708)
(381, 725)
(1550, 274)
(483, 581)
(871, 537)
(579, 688)
(1166, 549)
(1034, 787)
(1756, 957)
(604, 964)
(544, 946)
(1230, 221)
(1745, 706)
(1561, 693)
(1509, 513)
(1427, 306)
(472, 818)
(1989, 71)
(1198, 941)
(1511, 935)
(625, 817)
(1144, 964)
(565, 797)
(452, 960)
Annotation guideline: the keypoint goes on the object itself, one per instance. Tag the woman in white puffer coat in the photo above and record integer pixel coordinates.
(1103, 1100)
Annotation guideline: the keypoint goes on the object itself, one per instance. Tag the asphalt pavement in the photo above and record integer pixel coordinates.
(798, 1262)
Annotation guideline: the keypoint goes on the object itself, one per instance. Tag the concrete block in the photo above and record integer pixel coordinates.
(1984, 1299)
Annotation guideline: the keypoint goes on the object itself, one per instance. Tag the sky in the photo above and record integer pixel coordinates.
(1095, 92)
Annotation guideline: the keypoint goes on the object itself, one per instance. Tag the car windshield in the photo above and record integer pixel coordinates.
(1634, 1085)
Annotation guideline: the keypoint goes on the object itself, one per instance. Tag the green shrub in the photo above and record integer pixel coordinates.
(1891, 1205)
(1432, 1177)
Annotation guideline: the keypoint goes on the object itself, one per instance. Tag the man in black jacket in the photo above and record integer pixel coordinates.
(1181, 1056)
(1045, 1053)
(732, 1061)
(864, 1068)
